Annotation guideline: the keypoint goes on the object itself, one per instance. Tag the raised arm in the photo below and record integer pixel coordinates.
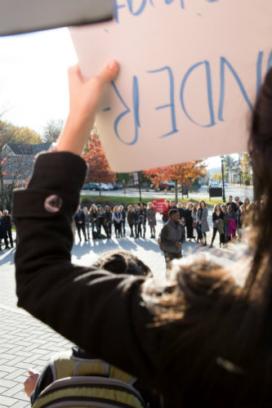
(95, 309)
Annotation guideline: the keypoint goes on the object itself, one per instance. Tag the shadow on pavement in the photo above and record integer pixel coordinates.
(7, 256)
(103, 245)
(148, 245)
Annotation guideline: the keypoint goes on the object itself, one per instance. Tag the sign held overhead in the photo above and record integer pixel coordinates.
(189, 76)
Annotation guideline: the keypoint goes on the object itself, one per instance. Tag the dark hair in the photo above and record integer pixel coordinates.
(259, 282)
(173, 211)
(122, 262)
(218, 336)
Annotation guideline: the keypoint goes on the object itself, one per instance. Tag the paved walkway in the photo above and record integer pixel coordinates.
(25, 342)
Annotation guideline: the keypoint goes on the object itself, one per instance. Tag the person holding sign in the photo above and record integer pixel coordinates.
(200, 339)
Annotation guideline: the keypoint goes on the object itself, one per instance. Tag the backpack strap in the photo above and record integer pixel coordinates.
(92, 392)
(66, 365)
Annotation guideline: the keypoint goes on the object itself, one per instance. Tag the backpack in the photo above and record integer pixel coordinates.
(81, 382)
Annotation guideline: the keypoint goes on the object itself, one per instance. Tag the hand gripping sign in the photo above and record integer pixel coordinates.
(189, 75)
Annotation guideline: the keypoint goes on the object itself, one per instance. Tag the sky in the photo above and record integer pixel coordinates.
(33, 79)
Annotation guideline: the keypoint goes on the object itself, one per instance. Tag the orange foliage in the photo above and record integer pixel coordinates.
(98, 167)
(183, 174)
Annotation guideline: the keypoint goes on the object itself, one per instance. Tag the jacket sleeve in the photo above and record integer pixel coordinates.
(166, 243)
(101, 312)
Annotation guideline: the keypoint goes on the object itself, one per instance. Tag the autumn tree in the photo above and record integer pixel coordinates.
(184, 174)
(217, 177)
(99, 170)
(246, 171)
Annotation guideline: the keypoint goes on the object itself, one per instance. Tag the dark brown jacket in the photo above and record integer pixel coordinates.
(97, 310)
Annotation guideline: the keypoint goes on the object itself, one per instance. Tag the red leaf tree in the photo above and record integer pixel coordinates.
(99, 170)
(184, 174)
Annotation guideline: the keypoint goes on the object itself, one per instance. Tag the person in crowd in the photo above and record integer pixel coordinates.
(100, 222)
(231, 222)
(239, 204)
(3, 232)
(189, 221)
(138, 221)
(151, 219)
(238, 201)
(142, 220)
(232, 203)
(93, 213)
(218, 225)
(203, 220)
(117, 221)
(194, 216)
(201, 338)
(7, 225)
(87, 222)
(79, 218)
(107, 221)
(123, 223)
(131, 219)
(182, 210)
(165, 211)
(246, 210)
(225, 219)
(171, 237)
(198, 223)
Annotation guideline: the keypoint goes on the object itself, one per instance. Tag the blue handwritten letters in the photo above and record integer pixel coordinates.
(137, 8)
(176, 90)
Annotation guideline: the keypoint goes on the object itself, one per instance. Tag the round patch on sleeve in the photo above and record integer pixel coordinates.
(53, 203)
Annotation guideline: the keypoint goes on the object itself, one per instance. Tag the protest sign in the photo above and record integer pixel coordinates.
(189, 75)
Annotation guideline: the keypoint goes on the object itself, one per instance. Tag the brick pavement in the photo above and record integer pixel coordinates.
(27, 343)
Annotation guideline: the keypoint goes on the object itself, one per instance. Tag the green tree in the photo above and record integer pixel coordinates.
(15, 134)
(228, 166)
(124, 179)
(216, 177)
(246, 172)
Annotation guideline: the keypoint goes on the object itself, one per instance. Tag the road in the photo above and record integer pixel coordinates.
(234, 190)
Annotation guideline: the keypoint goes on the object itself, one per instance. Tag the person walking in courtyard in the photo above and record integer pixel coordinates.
(171, 237)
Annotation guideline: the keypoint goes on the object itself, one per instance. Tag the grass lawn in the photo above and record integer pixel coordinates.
(125, 200)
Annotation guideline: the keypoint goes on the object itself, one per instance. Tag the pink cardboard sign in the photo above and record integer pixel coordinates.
(189, 75)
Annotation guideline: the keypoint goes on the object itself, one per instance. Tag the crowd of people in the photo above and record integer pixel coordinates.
(140, 221)
(98, 222)
(5, 230)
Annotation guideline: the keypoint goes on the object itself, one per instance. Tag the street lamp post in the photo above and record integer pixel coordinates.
(140, 185)
(223, 179)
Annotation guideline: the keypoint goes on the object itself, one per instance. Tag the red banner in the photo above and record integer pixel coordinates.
(160, 205)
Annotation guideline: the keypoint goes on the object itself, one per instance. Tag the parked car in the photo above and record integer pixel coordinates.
(105, 187)
(117, 186)
(215, 184)
(164, 186)
(91, 186)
